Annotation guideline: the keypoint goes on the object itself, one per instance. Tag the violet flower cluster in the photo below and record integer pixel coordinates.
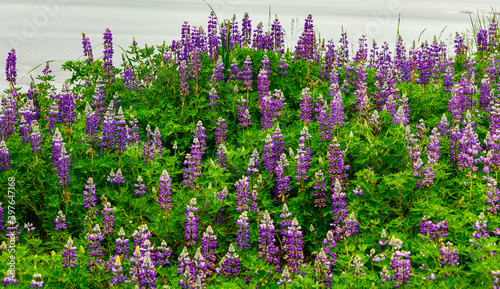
(267, 240)
(191, 223)
(243, 236)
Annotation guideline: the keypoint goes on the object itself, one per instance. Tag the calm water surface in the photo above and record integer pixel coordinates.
(51, 29)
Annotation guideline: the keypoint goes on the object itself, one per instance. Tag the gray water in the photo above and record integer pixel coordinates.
(50, 30)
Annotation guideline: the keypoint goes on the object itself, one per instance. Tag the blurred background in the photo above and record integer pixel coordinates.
(43, 30)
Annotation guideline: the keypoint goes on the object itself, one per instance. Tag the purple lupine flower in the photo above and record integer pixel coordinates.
(470, 148)
(337, 111)
(29, 227)
(243, 114)
(263, 85)
(413, 152)
(87, 49)
(60, 221)
(33, 102)
(4, 156)
(401, 265)
(235, 36)
(193, 170)
(277, 36)
(267, 240)
(362, 53)
(294, 247)
(106, 140)
(35, 137)
(183, 80)
(258, 38)
(285, 277)
(120, 136)
(235, 70)
(229, 264)
(282, 185)
(243, 236)
(213, 36)
(339, 208)
(221, 155)
(222, 195)
(328, 245)
(122, 246)
(128, 78)
(493, 196)
(485, 96)
(482, 40)
(132, 132)
(200, 269)
(163, 254)
(8, 117)
(10, 278)
(247, 75)
(254, 162)
(165, 192)
(283, 66)
(69, 254)
(481, 230)
(57, 143)
(242, 193)
(89, 198)
(66, 107)
(322, 265)
(62, 167)
(140, 188)
(12, 230)
(448, 77)
(321, 109)
(208, 246)
(460, 47)
(29, 112)
(444, 126)
(135, 264)
(141, 238)
(108, 55)
(117, 276)
(108, 219)
(220, 131)
(10, 68)
(302, 161)
(37, 281)
(433, 230)
(305, 45)
(336, 163)
(95, 250)
(246, 30)
(191, 224)
(147, 273)
(285, 220)
(306, 106)
(343, 50)
(320, 189)
(433, 153)
(24, 130)
(449, 257)
(119, 179)
(185, 267)
(255, 196)
(217, 73)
